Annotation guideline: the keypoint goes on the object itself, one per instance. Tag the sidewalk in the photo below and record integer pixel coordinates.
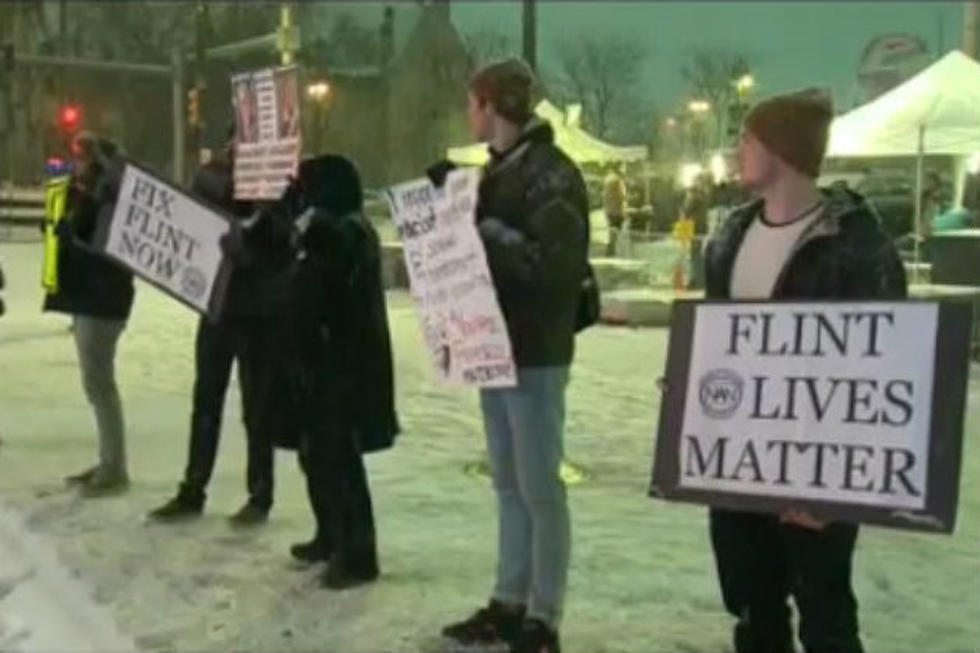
(42, 608)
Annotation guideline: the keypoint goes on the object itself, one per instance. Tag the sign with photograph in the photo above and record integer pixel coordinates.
(852, 411)
(168, 239)
(450, 281)
(267, 141)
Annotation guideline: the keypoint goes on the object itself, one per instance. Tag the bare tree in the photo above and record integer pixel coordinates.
(601, 72)
(487, 44)
(712, 75)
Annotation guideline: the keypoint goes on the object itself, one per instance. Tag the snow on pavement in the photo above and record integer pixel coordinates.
(42, 607)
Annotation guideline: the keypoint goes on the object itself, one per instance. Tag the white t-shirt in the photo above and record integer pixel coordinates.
(764, 252)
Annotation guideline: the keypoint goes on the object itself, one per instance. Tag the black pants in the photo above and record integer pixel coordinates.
(615, 222)
(250, 342)
(337, 484)
(762, 562)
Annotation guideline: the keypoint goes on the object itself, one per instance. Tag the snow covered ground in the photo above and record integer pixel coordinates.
(642, 573)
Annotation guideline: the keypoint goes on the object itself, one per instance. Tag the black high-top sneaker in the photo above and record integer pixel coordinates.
(537, 637)
(496, 623)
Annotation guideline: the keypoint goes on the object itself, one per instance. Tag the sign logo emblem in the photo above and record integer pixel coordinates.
(193, 283)
(720, 392)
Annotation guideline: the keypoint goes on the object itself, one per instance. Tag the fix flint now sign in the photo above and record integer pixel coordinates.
(169, 239)
(852, 410)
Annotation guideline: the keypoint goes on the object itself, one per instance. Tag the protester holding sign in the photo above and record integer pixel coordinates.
(795, 242)
(533, 219)
(337, 365)
(98, 294)
(243, 333)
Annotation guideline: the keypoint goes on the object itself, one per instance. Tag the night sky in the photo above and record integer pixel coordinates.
(792, 44)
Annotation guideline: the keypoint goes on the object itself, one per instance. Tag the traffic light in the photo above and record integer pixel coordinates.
(69, 118)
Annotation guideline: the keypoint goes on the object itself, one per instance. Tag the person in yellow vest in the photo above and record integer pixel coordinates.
(55, 200)
(98, 294)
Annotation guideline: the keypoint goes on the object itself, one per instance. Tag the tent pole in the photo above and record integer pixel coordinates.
(919, 174)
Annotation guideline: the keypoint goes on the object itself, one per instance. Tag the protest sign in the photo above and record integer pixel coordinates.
(267, 142)
(853, 411)
(450, 281)
(168, 239)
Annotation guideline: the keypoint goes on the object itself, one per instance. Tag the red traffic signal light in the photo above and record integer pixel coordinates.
(69, 118)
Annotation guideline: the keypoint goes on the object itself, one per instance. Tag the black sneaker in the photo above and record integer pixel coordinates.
(494, 623)
(310, 552)
(249, 515)
(537, 637)
(176, 509)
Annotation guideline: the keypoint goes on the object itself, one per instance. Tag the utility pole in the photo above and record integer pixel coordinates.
(971, 28)
(530, 23)
(179, 119)
(287, 36)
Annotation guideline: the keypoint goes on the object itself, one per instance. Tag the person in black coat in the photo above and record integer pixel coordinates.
(245, 332)
(98, 294)
(337, 365)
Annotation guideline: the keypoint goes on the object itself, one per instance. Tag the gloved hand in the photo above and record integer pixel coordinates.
(233, 246)
(438, 172)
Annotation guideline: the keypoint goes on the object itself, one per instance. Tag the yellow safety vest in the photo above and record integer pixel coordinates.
(55, 198)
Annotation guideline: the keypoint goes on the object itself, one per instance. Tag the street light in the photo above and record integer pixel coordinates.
(318, 91)
(699, 107)
(744, 84)
(671, 123)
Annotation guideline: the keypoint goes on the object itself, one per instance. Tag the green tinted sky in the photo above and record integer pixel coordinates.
(792, 43)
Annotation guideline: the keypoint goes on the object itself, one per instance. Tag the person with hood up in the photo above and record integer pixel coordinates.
(337, 366)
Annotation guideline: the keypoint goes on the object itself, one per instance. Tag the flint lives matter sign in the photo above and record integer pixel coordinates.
(450, 281)
(168, 239)
(852, 411)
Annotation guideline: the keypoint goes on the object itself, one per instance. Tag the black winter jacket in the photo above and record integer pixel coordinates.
(843, 255)
(338, 347)
(533, 217)
(88, 283)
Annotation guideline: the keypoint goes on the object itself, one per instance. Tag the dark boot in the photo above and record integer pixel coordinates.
(179, 508)
(310, 552)
(347, 571)
(249, 515)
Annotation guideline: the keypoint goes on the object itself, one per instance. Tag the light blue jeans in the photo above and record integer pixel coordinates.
(524, 427)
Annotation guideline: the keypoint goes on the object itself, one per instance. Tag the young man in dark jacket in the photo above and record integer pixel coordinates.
(795, 242)
(336, 363)
(245, 333)
(533, 218)
(98, 294)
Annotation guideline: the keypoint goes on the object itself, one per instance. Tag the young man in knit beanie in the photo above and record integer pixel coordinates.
(532, 216)
(795, 241)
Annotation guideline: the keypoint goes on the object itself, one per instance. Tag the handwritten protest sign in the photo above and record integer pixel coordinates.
(851, 410)
(267, 143)
(168, 239)
(450, 281)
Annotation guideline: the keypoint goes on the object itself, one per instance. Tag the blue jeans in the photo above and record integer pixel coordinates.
(524, 427)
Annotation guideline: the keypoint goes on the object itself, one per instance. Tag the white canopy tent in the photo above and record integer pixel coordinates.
(935, 112)
(941, 105)
(569, 136)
